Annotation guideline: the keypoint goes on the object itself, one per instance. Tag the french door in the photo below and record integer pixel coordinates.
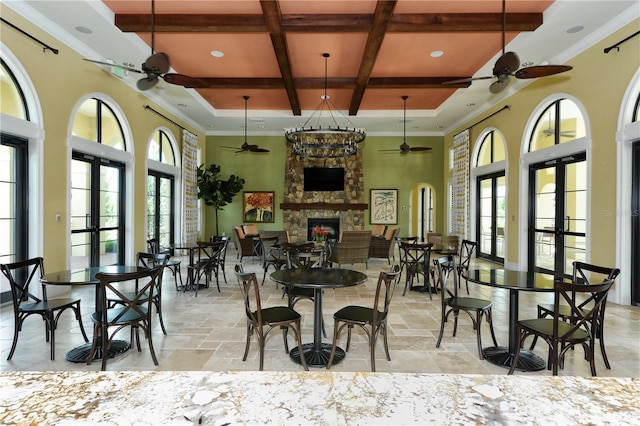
(557, 214)
(491, 196)
(97, 211)
(160, 210)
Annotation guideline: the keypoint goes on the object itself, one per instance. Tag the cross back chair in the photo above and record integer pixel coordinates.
(149, 261)
(222, 258)
(372, 320)
(561, 335)
(271, 254)
(134, 310)
(586, 274)
(403, 261)
(262, 320)
(20, 276)
(451, 303)
(210, 260)
(417, 263)
(153, 246)
(467, 248)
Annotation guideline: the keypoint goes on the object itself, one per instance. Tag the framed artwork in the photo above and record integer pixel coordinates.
(384, 206)
(258, 206)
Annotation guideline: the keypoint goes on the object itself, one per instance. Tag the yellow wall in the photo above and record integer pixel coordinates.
(61, 81)
(598, 81)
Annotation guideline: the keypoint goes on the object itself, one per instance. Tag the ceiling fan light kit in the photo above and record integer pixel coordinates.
(328, 140)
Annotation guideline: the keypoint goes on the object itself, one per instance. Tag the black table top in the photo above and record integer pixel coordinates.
(85, 276)
(319, 277)
(511, 279)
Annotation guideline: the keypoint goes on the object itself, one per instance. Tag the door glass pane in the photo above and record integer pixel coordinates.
(501, 208)
(151, 206)
(109, 247)
(165, 212)
(544, 221)
(80, 250)
(575, 213)
(109, 214)
(486, 196)
(7, 210)
(80, 214)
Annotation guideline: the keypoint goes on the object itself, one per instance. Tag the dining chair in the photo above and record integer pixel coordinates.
(417, 263)
(372, 320)
(402, 260)
(135, 311)
(561, 335)
(467, 248)
(174, 265)
(149, 261)
(262, 320)
(222, 258)
(586, 274)
(451, 303)
(25, 303)
(208, 264)
(271, 255)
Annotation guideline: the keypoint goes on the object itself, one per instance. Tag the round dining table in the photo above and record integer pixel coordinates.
(317, 353)
(515, 282)
(87, 276)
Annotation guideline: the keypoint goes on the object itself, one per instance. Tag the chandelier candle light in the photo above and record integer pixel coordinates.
(325, 140)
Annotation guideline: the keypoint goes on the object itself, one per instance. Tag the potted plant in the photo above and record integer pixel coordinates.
(215, 191)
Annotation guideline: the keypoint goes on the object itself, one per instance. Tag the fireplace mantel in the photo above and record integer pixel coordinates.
(324, 206)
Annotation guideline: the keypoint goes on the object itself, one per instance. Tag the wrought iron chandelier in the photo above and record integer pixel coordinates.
(328, 140)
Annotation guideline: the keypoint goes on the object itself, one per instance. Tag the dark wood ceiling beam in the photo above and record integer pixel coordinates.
(342, 23)
(271, 11)
(332, 83)
(382, 15)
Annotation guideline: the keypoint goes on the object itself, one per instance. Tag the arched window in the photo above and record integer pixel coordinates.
(490, 196)
(12, 101)
(161, 192)
(561, 122)
(96, 121)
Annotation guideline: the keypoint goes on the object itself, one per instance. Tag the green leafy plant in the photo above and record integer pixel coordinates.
(215, 191)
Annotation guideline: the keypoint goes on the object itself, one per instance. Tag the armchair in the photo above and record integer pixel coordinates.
(353, 247)
(382, 247)
(243, 245)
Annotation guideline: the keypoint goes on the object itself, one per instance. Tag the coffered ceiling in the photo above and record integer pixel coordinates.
(379, 51)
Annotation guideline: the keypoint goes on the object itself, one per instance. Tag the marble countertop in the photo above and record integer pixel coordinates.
(313, 398)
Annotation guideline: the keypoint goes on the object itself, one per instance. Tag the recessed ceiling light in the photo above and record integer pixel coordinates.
(211, 126)
(217, 54)
(83, 30)
(575, 29)
(436, 53)
(182, 105)
(470, 104)
(439, 127)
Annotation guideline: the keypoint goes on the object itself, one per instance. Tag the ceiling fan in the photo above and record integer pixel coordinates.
(157, 65)
(507, 66)
(404, 147)
(246, 146)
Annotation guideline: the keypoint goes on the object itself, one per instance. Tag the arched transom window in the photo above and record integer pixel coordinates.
(96, 121)
(561, 122)
(160, 149)
(491, 149)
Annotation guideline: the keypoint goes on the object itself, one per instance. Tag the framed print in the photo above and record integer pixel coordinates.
(384, 206)
(258, 206)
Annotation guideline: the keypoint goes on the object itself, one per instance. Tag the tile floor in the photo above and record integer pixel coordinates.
(208, 332)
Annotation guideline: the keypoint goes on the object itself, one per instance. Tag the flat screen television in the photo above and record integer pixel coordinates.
(324, 179)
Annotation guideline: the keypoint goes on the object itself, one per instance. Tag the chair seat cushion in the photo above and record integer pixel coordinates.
(545, 326)
(359, 314)
(49, 304)
(278, 314)
(468, 303)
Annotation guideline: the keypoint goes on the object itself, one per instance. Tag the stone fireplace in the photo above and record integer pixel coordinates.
(331, 225)
(298, 206)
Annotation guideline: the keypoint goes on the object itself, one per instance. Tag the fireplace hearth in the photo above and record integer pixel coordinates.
(332, 225)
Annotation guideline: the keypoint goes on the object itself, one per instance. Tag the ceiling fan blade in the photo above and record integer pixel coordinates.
(508, 62)
(499, 85)
(230, 147)
(388, 150)
(541, 71)
(126, 68)
(256, 149)
(183, 80)
(420, 148)
(147, 82)
(158, 63)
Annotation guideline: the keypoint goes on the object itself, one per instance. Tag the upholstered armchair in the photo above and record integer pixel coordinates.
(382, 247)
(243, 245)
(353, 247)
